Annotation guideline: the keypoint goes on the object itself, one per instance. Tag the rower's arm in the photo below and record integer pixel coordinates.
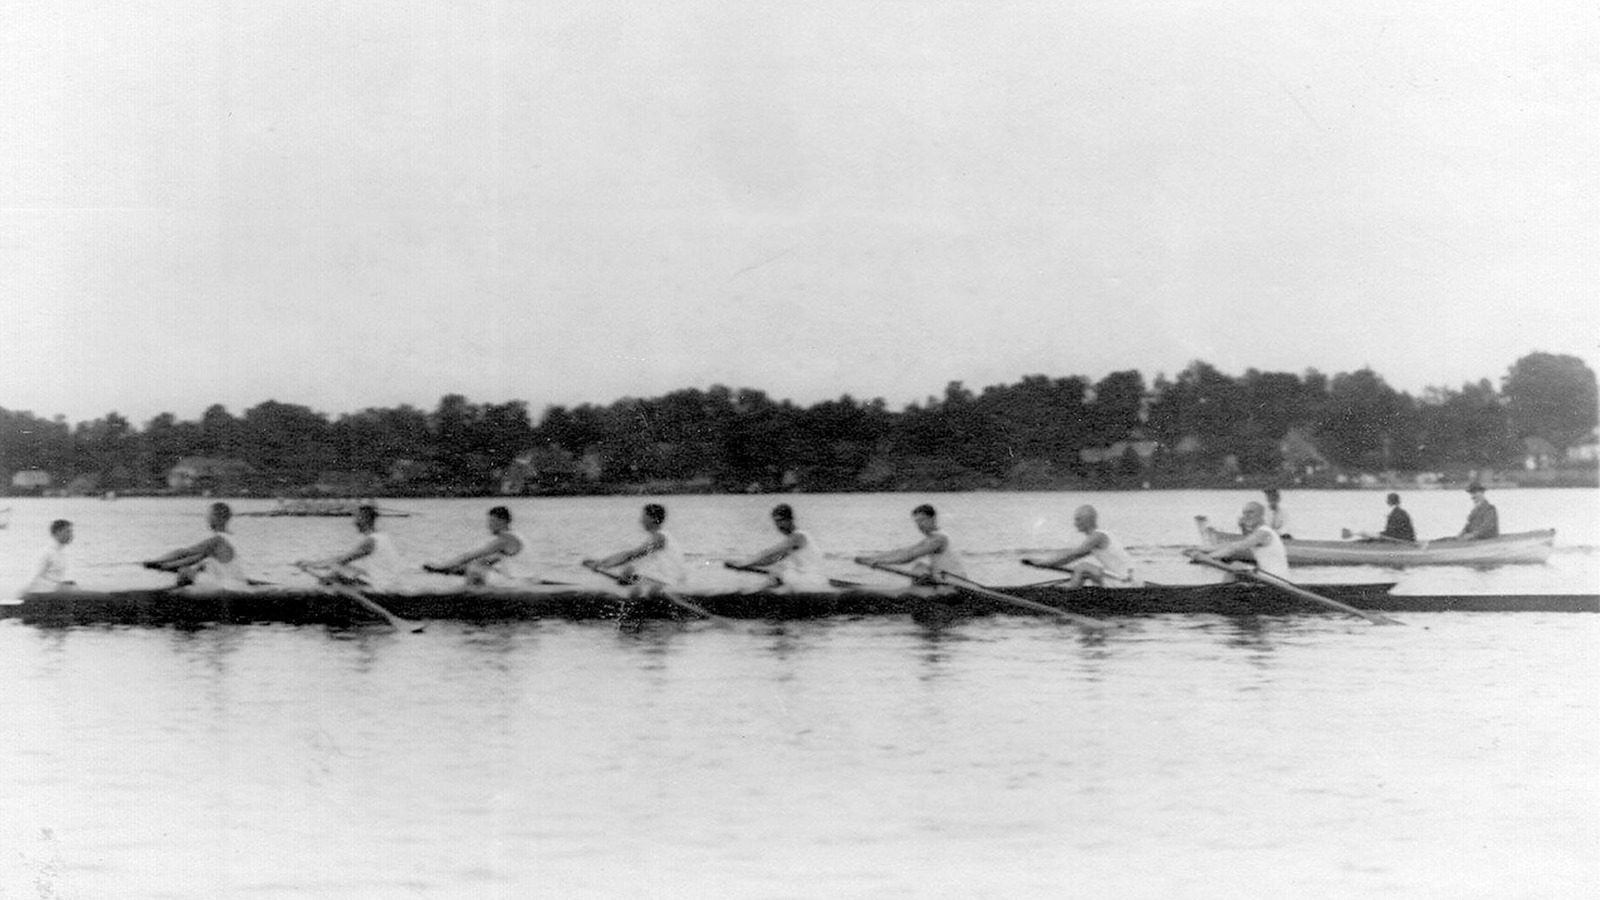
(492, 550)
(925, 547)
(1249, 541)
(1090, 544)
(360, 551)
(187, 556)
(656, 542)
(776, 552)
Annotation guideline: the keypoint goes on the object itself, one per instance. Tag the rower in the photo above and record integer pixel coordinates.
(372, 562)
(1259, 542)
(52, 574)
(505, 561)
(1277, 516)
(792, 562)
(212, 564)
(1099, 559)
(658, 561)
(932, 557)
(1483, 522)
(1398, 526)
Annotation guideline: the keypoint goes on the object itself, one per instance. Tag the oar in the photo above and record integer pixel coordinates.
(661, 588)
(365, 602)
(754, 570)
(1289, 587)
(1347, 534)
(992, 594)
(1140, 583)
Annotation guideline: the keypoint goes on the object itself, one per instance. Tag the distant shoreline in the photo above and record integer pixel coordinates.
(1588, 479)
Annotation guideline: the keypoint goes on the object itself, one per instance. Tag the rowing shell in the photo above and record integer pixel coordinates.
(316, 606)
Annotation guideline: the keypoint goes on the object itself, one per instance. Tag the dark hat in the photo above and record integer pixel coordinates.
(1475, 488)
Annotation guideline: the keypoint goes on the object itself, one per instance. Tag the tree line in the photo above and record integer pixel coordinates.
(1040, 431)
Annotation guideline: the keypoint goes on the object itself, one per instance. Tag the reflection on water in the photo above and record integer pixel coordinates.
(992, 756)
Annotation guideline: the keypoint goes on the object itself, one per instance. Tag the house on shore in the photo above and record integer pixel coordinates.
(31, 480)
(205, 473)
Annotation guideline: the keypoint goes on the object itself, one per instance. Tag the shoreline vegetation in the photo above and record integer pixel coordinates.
(1200, 429)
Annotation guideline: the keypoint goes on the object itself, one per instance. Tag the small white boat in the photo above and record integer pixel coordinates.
(1523, 548)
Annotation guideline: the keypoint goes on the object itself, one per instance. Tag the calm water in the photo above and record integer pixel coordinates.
(1007, 757)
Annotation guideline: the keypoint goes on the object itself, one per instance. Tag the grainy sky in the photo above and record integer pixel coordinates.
(356, 204)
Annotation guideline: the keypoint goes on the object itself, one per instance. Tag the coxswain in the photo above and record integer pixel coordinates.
(932, 558)
(657, 563)
(213, 563)
(1259, 543)
(52, 572)
(372, 562)
(505, 561)
(793, 562)
(1098, 559)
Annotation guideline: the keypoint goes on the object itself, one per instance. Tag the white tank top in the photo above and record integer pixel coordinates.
(52, 571)
(1113, 559)
(1271, 558)
(382, 566)
(947, 560)
(802, 567)
(664, 564)
(517, 568)
(216, 575)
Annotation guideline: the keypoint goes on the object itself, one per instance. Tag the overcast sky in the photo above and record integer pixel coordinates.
(358, 204)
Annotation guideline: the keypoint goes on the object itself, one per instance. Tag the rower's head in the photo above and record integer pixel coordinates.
(1085, 519)
(1252, 516)
(652, 517)
(1393, 499)
(926, 517)
(499, 519)
(783, 518)
(61, 530)
(366, 518)
(1272, 497)
(1476, 491)
(218, 516)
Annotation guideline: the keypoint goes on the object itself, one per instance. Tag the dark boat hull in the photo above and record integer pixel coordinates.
(163, 607)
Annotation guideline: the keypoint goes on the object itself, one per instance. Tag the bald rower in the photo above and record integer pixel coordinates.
(1099, 559)
(1259, 542)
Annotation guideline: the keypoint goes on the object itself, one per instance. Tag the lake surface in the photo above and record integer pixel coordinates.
(1002, 757)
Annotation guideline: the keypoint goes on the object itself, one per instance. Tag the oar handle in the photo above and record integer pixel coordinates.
(595, 568)
(903, 573)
